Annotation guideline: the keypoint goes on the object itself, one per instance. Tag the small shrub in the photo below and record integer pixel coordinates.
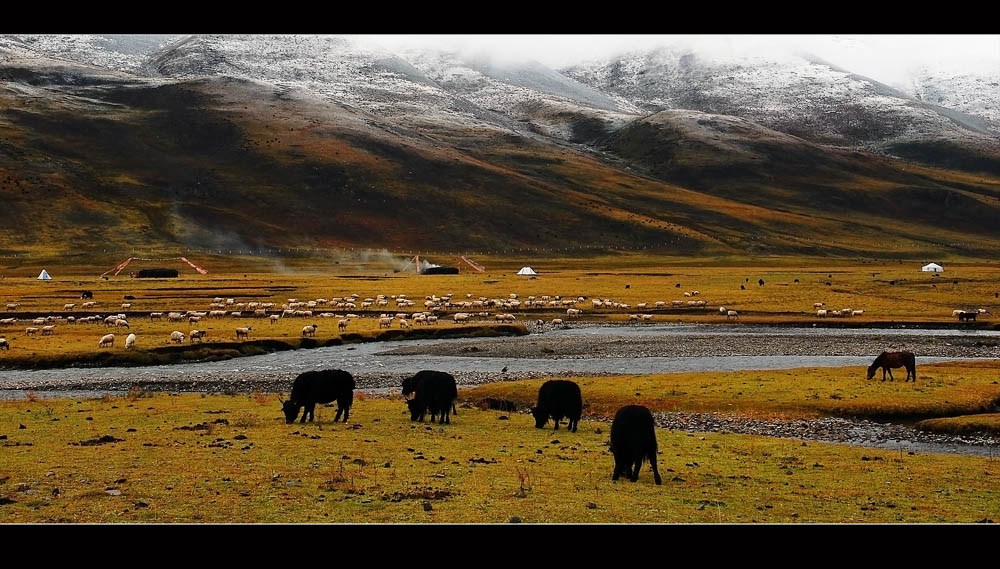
(245, 420)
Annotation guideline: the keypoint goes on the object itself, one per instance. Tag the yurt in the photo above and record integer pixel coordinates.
(932, 268)
(44, 276)
(527, 271)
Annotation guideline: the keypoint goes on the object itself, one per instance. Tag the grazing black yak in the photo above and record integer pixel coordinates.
(633, 440)
(558, 398)
(314, 387)
(433, 391)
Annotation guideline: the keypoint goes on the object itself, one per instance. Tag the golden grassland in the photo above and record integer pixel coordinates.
(962, 425)
(216, 458)
(887, 292)
(943, 389)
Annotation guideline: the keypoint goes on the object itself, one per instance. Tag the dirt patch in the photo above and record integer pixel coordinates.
(418, 494)
(103, 440)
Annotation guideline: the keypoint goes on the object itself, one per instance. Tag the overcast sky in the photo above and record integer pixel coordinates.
(884, 57)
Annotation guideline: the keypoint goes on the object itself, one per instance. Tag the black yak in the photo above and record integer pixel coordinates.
(433, 391)
(314, 387)
(558, 398)
(633, 439)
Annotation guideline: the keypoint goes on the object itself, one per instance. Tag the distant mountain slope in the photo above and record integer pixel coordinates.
(798, 95)
(230, 142)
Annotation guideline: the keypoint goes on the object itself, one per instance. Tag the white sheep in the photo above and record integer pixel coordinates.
(385, 322)
(30, 331)
(177, 336)
(197, 334)
(821, 313)
(342, 324)
(309, 330)
(106, 340)
(275, 317)
(69, 306)
(243, 332)
(130, 342)
(556, 321)
(732, 314)
(48, 330)
(3, 344)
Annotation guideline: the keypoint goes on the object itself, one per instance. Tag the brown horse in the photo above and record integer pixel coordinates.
(889, 360)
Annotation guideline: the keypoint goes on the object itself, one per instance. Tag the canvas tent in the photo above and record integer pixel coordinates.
(527, 271)
(44, 276)
(932, 268)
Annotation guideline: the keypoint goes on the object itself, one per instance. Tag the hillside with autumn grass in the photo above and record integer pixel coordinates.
(202, 150)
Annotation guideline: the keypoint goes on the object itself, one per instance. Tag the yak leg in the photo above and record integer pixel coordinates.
(652, 464)
(556, 419)
(618, 469)
(890, 375)
(305, 413)
(635, 469)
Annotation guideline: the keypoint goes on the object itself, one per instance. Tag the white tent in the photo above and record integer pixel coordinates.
(932, 268)
(44, 276)
(527, 271)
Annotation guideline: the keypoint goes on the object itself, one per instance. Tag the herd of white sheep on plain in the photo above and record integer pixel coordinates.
(435, 309)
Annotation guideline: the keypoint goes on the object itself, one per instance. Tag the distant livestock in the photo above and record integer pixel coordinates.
(889, 360)
(558, 398)
(197, 335)
(130, 342)
(966, 316)
(732, 315)
(342, 324)
(433, 391)
(243, 332)
(48, 330)
(314, 387)
(106, 340)
(30, 331)
(633, 440)
(87, 294)
(309, 330)
(177, 337)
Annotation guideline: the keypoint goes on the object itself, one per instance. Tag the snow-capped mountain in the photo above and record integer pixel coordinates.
(117, 52)
(796, 94)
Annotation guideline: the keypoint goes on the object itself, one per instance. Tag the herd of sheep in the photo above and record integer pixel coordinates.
(435, 309)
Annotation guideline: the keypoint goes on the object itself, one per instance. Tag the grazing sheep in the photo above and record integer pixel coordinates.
(6, 321)
(722, 310)
(404, 324)
(106, 340)
(121, 323)
(276, 317)
(193, 319)
(857, 313)
(197, 334)
(243, 332)
(461, 317)
(732, 315)
(30, 331)
(342, 324)
(821, 313)
(13, 305)
(818, 305)
(177, 337)
(573, 312)
(48, 330)
(385, 322)
(309, 330)
(155, 316)
(69, 306)
(556, 321)
(38, 321)
(633, 440)
(130, 342)
(3, 344)
(127, 306)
